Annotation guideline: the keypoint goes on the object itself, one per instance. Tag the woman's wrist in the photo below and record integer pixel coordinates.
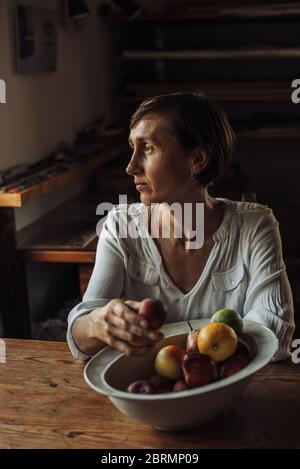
(84, 334)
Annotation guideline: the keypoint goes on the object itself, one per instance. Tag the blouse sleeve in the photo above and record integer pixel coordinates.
(106, 282)
(268, 297)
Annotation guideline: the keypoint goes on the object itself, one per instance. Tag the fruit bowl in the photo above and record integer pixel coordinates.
(110, 372)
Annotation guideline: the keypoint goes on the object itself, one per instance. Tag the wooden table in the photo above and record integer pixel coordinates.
(45, 403)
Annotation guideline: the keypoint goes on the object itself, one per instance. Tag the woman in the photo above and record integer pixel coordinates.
(181, 143)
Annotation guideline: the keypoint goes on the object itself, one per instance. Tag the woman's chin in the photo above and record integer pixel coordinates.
(146, 199)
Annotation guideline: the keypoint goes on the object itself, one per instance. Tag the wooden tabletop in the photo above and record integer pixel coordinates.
(45, 403)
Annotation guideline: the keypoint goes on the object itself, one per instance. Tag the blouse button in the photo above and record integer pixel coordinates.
(232, 282)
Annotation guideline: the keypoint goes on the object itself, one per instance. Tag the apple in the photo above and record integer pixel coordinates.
(168, 362)
(180, 385)
(160, 383)
(233, 365)
(154, 312)
(243, 349)
(141, 387)
(191, 342)
(229, 317)
(216, 370)
(197, 369)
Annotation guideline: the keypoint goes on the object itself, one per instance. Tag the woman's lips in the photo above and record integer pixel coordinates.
(140, 187)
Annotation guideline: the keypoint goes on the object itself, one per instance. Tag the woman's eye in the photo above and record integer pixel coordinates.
(149, 148)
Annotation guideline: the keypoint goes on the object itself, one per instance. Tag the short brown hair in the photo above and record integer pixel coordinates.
(195, 121)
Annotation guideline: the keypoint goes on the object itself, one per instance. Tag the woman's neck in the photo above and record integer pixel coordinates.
(198, 217)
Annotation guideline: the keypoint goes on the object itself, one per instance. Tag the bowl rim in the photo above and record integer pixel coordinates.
(259, 332)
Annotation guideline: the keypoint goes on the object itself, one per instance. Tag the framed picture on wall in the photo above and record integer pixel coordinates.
(36, 30)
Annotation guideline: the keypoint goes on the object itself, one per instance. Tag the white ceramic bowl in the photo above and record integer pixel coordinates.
(109, 373)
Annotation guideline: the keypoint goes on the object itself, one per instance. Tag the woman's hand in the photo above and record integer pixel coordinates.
(119, 325)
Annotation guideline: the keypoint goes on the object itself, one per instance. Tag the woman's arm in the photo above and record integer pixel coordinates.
(268, 297)
(103, 317)
(106, 282)
(116, 324)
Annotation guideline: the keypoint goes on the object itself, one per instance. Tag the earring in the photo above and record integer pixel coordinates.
(194, 176)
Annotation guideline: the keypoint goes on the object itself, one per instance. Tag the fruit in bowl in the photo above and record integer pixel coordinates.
(243, 349)
(197, 369)
(110, 372)
(217, 340)
(142, 386)
(210, 355)
(229, 317)
(161, 383)
(191, 341)
(168, 362)
(233, 365)
(180, 385)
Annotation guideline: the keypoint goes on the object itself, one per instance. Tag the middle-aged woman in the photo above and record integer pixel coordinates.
(181, 143)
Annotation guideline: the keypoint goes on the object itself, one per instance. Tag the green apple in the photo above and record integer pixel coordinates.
(229, 317)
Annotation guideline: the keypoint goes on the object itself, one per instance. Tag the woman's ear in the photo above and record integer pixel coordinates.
(199, 160)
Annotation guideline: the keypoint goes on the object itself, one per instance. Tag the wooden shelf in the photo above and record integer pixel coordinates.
(84, 256)
(62, 228)
(88, 164)
(67, 234)
(233, 91)
(259, 52)
(217, 11)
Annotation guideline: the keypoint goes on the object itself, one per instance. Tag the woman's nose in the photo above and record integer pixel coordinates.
(133, 167)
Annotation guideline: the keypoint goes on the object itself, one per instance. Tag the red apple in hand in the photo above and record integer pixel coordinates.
(154, 312)
(197, 369)
(233, 365)
(141, 387)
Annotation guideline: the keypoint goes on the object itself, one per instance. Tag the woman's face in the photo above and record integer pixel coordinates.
(158, 162)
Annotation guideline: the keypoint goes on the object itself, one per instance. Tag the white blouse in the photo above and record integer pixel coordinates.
(244, 272)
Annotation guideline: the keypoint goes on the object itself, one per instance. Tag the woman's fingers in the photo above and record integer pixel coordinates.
(152, 335)
(133, 334)
(120, 345)
(133, 329)
(123, 329)
(126, 348)
(123, 324)
(125, 335)
(123, 311)
(133, 304)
